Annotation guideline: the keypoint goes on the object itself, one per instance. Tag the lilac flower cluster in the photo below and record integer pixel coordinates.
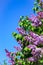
(10, 55)
(21, 31)
(36, 52)
(40, 14)
(35, 38)
(35, 21)
(17, 48)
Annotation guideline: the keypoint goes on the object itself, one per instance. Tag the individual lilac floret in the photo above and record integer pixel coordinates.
(21, 31)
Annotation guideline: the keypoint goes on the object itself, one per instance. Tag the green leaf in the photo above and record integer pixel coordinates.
(42, 20)
(21, 18)
(20, 24)
(26, 49)
(37, 1)
(17, 36)
(23, 63)
(14, 33)
(42, 33)
(33, 10)
(37, 8)
(41, 61)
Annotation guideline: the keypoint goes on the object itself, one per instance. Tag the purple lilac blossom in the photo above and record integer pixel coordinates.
(36, 41)
(36, 38)
(31, 46)
(35, 21)
(41, 38)
(32, 34)
(36, 52)
(21, 31)
(28, 38)
(19, 42)
(8, 53)
(40, 14)
(31, 59)
(17, 48)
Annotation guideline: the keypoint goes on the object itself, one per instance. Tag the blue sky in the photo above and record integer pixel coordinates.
(10, 12)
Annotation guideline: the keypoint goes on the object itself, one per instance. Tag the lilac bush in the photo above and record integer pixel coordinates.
(30, 39)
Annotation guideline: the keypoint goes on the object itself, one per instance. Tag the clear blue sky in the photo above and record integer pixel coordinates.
(10, 12)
